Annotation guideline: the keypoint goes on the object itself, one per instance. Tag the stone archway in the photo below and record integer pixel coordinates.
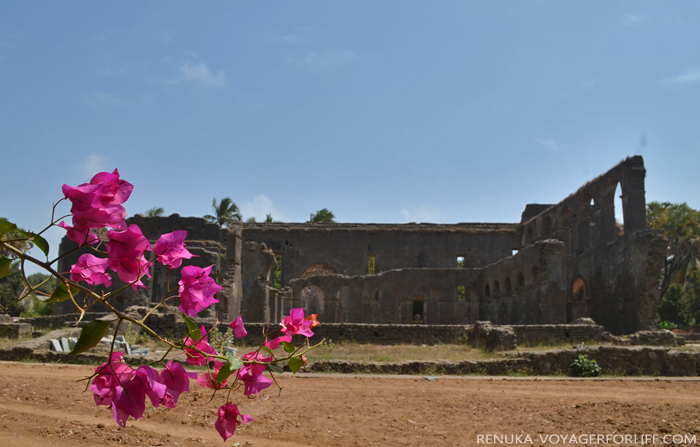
(577, 306)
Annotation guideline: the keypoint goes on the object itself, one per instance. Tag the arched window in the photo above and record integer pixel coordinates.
(507, 284)
(520, 280)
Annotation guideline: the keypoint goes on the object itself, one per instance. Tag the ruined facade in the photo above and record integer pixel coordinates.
(561, 262)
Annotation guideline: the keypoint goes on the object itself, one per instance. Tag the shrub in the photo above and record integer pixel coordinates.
(585, 367)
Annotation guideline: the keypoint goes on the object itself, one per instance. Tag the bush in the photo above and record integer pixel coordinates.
(585, 367)
(675, 306)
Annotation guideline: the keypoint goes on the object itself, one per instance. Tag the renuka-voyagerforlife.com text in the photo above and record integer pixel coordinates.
(587, 439)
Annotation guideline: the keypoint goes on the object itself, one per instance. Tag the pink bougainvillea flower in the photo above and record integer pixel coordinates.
(194, 357)
(98, 204)
(238, 328)
(228, 419)
(296, 324)
(126, 254)
(177, 381)
(91, 269)
(275, 342)
(119, 386)
(152, 384)
(110, 376)
(208, 379)
(114, 190)
(170, 249)
(197, 290)
(79, 235)
(252, 374)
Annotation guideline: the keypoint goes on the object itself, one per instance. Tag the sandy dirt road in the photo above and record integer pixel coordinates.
(43, 405)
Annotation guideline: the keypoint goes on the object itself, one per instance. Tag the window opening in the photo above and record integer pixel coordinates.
(460, 262)
(371, 266)
(277, 281)
(418, 312)
(461, 293)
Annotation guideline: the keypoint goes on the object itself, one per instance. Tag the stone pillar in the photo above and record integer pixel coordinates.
(633, 200)
(230, 306)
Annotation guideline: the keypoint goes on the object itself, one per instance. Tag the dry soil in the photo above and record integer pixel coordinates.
(43, 405)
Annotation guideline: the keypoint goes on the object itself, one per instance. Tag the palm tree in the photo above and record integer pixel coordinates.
(322, 216)
(155, 212)
(226, 212)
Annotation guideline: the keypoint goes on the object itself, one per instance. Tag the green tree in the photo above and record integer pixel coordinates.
(156, 211)
(18, 241)
(675, 306)
(11, 287)
(268, 218)
(225, 213)
(251, 220)
(322, 216)
(681, 225)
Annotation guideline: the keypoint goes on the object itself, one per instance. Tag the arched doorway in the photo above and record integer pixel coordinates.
(578, 300)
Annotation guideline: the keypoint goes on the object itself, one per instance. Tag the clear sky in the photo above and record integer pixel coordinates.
(382, 111)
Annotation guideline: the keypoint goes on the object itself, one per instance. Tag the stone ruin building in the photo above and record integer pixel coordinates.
(559, 263)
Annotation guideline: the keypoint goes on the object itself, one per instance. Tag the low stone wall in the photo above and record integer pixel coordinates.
(379, 334)
(15, 330)
(57, 321)
(557, 334)
(614, 360)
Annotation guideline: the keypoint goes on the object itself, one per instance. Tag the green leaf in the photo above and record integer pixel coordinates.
(192, 329)
(5, 266)
(228, 369)
(61, 293)
(6, 226)
(295, 364)
(91, 334)
(230, 357)
(274, 368)
(289, 347)
(41, 243)
(268, 350)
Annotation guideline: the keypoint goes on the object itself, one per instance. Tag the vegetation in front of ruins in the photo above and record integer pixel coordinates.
(585, 367)
(12, 288)
(680, 278)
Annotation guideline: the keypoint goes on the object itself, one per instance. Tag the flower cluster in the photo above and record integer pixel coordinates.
(125, 389)
(99, 204)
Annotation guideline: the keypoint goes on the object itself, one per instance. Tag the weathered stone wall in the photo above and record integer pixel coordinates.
(527, 288)
(345, 248)
(60, 320)
(391, 297)
(617, 360)
(610, 277)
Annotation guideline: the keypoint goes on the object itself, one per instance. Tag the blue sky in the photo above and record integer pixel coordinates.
(380, 111)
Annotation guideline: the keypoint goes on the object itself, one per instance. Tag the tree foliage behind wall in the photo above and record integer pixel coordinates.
(680, 279)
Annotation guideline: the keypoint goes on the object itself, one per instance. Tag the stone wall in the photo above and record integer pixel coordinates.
(527, 288)
(393, 297)
(612, 275)
(345, 249)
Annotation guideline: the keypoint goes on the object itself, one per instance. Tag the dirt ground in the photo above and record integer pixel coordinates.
(43, 405)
